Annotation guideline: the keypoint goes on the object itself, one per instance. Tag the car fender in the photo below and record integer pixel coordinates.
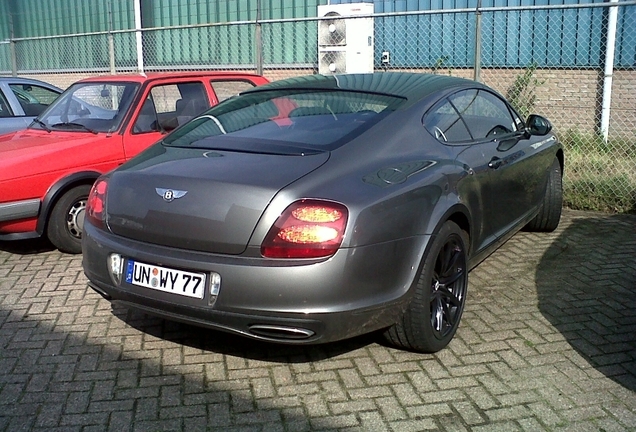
(57, 190)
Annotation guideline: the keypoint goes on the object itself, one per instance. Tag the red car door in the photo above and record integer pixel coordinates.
(170, 103)
(165, 105)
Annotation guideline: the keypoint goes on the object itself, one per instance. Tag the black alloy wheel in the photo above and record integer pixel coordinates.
(549, 216)
(448, 287)
(433, 314)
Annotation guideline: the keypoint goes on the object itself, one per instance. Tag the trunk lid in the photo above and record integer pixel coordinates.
(216, 197)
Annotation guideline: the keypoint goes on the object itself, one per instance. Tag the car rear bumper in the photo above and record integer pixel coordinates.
(356, 291)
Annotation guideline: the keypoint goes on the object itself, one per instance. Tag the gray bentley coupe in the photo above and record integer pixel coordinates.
(318, 208)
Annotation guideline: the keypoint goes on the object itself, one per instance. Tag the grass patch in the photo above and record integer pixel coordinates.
(599, 175)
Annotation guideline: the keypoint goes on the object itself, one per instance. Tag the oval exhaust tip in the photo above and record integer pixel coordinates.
(280, 332)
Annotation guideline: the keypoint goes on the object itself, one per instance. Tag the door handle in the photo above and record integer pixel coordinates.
(495, 163)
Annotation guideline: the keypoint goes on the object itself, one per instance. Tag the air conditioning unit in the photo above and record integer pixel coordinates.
(345, 43)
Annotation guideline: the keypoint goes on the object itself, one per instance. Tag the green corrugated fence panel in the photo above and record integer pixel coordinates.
(276, 9)
(168, 13)
(218, 45)
(34, 18)
(300, 46)
(518, 38)
(80, 52)
(125, 50)
(5, 59)
(5, 31)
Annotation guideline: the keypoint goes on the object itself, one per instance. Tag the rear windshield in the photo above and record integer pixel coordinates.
(285, 121)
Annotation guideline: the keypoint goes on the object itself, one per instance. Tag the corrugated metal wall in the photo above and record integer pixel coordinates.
(197, 46)
(413, 41)
(34, 18)
(5, 34)
(229, 45)
(38, 18)
(505, 40)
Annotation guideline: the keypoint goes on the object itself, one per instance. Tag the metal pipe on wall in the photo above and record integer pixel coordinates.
(259, 40)
(138, 38)
(477, 69)
(111, 39)
(609, 69)
(14, 58)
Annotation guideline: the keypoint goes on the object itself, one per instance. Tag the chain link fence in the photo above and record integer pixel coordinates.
(550, 60)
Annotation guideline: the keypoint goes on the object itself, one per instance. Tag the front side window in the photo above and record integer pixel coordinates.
(486, 115)
(276, 120)
(33, 98)
(472, 114)
(90, 107)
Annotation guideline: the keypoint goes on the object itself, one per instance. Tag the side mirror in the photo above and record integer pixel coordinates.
(537, 125)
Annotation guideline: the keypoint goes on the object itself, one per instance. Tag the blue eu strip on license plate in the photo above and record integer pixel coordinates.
(165, 279)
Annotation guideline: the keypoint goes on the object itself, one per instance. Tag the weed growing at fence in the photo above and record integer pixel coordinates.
(439, 64)
(599, 175)
(522, 93)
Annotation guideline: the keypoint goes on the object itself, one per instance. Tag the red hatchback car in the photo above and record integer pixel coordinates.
(97, 124)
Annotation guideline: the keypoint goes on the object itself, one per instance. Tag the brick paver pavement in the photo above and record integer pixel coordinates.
(547, 342)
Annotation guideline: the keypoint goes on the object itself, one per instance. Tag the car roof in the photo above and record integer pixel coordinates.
(411, 86)
(142, 78)
(19, 80)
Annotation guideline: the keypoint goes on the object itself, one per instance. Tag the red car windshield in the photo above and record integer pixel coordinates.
(89, 107)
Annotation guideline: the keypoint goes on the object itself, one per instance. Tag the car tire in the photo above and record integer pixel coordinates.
(432, 317)
(549, 214)
(66, 221)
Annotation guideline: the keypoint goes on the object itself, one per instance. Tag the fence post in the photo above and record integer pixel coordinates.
(609, 69)
(477, 66)
(138, 37)
(111, 39)
(259, 40)
(14, 57)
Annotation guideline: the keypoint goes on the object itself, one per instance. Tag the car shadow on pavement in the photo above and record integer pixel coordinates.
(27, 247)
(586, 284)
(220, 342)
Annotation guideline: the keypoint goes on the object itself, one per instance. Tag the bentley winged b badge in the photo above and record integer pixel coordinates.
(170, 194)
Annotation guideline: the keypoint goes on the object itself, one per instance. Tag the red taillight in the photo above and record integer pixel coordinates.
(306, 229)
(96, 203)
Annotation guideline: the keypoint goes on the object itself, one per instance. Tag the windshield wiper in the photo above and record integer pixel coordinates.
(41, 123)
(75, 124)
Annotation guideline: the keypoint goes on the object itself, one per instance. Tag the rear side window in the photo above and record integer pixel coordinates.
(228, 88)
(444, 123)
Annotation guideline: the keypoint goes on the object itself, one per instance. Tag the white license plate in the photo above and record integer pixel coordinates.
(165, 279)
